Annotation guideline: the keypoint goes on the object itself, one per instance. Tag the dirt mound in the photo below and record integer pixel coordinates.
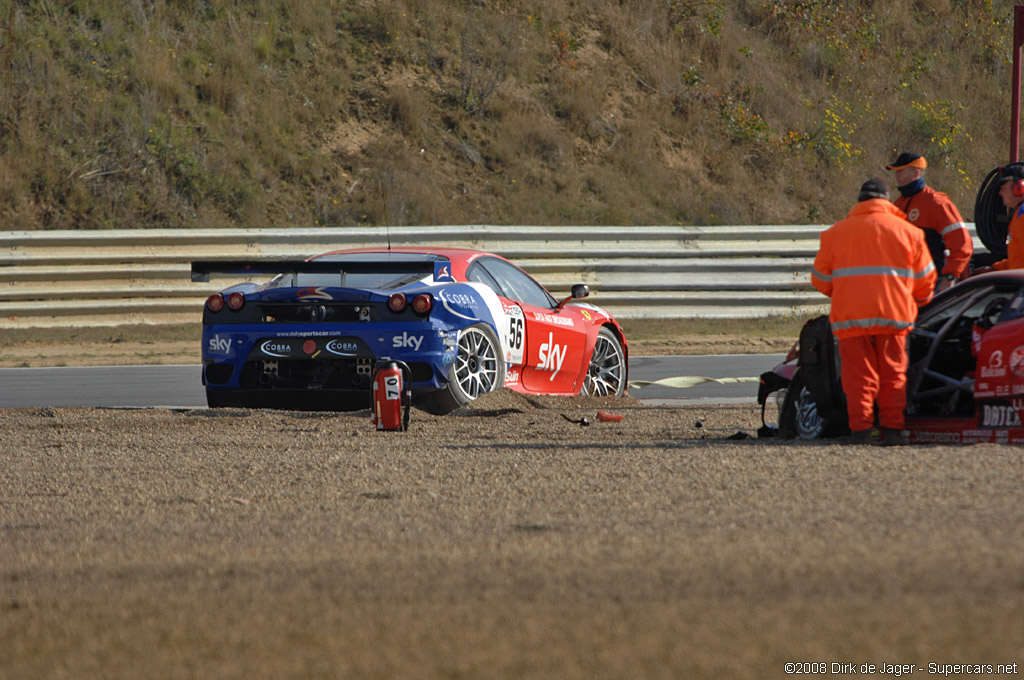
(505, 401)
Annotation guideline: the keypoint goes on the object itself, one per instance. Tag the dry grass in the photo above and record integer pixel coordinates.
(637, 330)
(141, 334)
(154, 345)
(656, 329)
(644, 112)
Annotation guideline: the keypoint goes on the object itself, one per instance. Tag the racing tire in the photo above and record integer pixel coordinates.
(479, 367)
(220, 399)
(606, 374)
(799, 414)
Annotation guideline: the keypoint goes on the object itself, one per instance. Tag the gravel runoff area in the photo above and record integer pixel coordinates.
(506, 541)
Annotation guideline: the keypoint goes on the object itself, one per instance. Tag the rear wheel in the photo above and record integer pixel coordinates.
(479, 368)
(606, 375)
(219, 399)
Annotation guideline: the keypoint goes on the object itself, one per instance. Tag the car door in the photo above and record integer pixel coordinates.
(1000, 347)
(553, 339)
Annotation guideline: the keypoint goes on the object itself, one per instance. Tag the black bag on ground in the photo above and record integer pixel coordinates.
(819, 364)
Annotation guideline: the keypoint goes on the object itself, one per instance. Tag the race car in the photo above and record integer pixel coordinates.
(965, 377)
(466, 322)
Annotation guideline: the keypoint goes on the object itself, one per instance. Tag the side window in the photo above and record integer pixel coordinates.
(1015, 309)
(478, 274)
(516, 284)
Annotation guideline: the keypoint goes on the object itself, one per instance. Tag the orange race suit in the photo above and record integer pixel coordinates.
(876, 268)
(944, 228)
(1014, 242)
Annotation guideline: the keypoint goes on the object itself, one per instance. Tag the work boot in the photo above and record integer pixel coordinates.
(893, 437)
(861, 437)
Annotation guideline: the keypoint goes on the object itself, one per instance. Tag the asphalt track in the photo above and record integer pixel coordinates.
(179, 386)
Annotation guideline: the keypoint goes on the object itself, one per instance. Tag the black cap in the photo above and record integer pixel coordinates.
(873, 188)
(908, 159)
(1015, 171)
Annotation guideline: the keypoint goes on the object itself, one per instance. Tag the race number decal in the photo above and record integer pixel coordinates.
(515, 335)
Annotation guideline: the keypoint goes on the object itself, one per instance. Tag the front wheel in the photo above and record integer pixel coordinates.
(479, 368)
(606, 374)
(799, 416)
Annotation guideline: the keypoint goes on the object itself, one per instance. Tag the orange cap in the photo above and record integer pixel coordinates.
(908, 159)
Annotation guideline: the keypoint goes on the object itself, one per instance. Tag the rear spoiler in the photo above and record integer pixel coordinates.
(201, 269)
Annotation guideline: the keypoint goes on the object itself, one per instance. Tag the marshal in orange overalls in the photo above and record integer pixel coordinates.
(876, 268)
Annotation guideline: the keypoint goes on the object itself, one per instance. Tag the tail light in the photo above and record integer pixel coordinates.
(215, 302)
(236, 301)
(794, 352)
(422, 303)
(397, 302)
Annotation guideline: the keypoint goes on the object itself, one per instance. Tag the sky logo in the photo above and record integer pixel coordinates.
(551, 356)
(407, 341)
(219, 345)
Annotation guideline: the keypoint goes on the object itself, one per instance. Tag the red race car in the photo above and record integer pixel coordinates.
(464, 321)
(965, 381)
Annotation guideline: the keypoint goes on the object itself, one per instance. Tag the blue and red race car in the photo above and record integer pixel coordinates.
(965, 377)
(466, 322)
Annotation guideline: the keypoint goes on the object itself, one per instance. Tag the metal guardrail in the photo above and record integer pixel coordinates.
(98, 278)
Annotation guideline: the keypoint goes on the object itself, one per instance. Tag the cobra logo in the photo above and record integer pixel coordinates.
(461, 299)
(276, 348)
(342, 348)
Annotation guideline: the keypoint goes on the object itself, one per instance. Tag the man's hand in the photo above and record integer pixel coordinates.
(944, 283)
(982, 270)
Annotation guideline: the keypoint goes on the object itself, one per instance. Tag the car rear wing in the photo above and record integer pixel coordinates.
(202, 269)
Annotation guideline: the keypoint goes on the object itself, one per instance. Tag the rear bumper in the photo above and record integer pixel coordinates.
(259, 358)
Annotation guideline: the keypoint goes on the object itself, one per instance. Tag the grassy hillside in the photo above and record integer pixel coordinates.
(190, 113)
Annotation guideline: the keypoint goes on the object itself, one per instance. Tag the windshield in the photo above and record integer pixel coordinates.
(385, 280)
(972, 305)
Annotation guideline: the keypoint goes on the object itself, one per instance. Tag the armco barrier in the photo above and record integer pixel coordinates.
(95, 278)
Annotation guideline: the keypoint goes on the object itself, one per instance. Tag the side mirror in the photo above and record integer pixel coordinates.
(579, 290)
